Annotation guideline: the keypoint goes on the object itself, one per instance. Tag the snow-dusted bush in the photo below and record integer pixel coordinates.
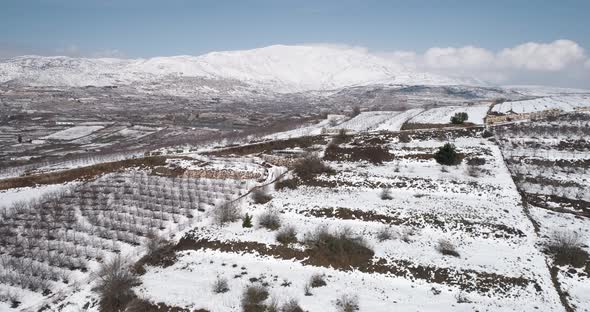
(220, 286)
(115, 281)
(287, 235)
(386, 194)
(225, 213)
(447, 248)
(286, 183)
(270, 220)
(253, 298)
(347, 303)
(342, 248)
(385, 233)
(310, 166)
(260, 196)
(566, 249)
(291, 306)
(317, 280)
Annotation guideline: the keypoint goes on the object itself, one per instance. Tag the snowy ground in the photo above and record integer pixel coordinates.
(482, 216)
(565, 103)
(442, 115)
(73, 133)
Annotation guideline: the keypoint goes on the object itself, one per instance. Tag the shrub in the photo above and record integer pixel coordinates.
(347, 303)
(355, 111)
(340, 249)
(310, 166)
(341, 137)
(386, 194)
(447, 155)
(253, 299)
(472, 171)
(154, 243)
(476, 161)
(287, 183)
(487, 134)
(447, 248)
(317, 280)
(404, 138)
(225, 213)
(247, 221)
(220, 286)
(459, 118)
(291, 306)
(384, 234)
(260, 196)
(287, 235)
(115, 281)
(566, 249)
(307, 290)
(269, 220)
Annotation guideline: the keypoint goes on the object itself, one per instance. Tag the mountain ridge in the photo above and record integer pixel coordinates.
(280, 68)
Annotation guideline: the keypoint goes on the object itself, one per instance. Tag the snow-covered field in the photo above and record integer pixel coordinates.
(474, 210)
(73, 133)
(442, 115)
(565, 103)
(482, 216)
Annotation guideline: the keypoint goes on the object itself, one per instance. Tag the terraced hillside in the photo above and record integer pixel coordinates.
(365, 220)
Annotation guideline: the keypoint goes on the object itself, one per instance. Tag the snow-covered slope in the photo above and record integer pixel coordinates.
(280, 68)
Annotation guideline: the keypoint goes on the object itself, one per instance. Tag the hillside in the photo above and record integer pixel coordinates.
(371, 222)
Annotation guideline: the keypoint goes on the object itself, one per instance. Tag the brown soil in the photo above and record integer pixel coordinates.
(417, 126)
(82, 173)
(258, 148)
(495, 230)
(566, 205)
(141, 305)
(373, 154)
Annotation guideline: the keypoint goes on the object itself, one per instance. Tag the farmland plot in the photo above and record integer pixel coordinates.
(444, 235)
(442, 115)
(549, 161)
(51, 244)
(565, 103)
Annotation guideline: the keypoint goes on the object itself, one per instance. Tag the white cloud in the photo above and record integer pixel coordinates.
(70, 50)
(525, 63)
(109, 53)
(465, 57)
(552, 56)
(73, 50)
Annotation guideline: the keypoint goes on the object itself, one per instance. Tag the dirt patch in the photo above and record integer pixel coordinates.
(302, 142)
(560, 204)
(142, 305)
(446, 224)
(563, 296)
(164, 256)
(417, 126)
(82, 173)
(373, 154)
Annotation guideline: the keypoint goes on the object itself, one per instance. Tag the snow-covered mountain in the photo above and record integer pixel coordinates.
(278, 68)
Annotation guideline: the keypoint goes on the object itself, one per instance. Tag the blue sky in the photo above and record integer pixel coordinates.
(149, 28)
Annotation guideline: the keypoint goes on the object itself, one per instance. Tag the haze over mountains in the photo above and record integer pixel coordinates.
(277, 68)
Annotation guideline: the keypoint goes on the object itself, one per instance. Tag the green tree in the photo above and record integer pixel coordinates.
(459, 118)
(247, 222)
(447, 155)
